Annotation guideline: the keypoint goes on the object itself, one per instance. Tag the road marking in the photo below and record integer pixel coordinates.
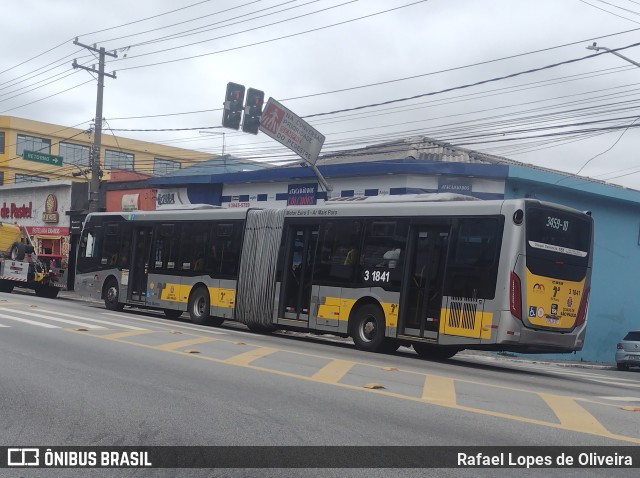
(129, 333)
(184, 343)
(439, 389)
(55, 319)
(165, 322)
(247, 357)
(623, 399)
(572, 415)
(2, 325)
(333, 371)
(244, 360)
(31, 322)
(105, 322)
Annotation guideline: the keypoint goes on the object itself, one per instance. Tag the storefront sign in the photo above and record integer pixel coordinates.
(48, 230)
(302, 194)
(15, 212)
(165, 198)
(50, 213)
(454, 185)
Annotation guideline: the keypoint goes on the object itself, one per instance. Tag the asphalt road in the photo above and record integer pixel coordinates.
(75, 374)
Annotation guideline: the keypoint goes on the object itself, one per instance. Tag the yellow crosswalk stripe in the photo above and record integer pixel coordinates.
(333, 371)
(572, 415)
(184, 343)
(441, 390)
(247, 357)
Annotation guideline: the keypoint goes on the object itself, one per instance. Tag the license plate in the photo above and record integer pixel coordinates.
(633, 357)
(553, 320)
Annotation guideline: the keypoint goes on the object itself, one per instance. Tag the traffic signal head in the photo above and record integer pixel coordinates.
(253, 111)
(233, 101)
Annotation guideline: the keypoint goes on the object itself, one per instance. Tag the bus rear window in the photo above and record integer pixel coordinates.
(553, 231)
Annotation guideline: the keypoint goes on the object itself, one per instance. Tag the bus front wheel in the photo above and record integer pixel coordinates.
(435, 352)
(368, 327)
(112, 295)
(199, 306)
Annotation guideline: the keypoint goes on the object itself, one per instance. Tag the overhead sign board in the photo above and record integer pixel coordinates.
(42, 158)
(292, 131)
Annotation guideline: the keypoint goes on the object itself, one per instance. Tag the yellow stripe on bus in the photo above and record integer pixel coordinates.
(220, 297)
(337, 308)
(480, 327)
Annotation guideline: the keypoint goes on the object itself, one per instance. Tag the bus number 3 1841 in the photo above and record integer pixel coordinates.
(376, 276)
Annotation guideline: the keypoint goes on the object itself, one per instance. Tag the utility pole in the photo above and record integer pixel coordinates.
(94, 184)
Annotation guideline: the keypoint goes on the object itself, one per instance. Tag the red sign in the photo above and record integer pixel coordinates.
(15, 212)
(52, 230)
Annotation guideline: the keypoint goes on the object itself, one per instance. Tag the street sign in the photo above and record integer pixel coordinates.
(42, 158)
(291, 131)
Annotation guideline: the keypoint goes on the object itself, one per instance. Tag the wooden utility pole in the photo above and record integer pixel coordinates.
(94, 184)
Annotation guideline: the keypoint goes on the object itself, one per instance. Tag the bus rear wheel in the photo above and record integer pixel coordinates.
(200, 306)
(112, 295)
(435, 352)
(368, 327)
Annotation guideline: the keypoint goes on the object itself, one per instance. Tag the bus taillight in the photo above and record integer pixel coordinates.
(582, 311)
(515, 295)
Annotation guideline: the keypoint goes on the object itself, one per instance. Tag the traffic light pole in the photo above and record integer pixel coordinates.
(94, 184)
(327, 187)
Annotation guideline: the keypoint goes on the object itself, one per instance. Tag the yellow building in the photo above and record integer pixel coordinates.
(45, 143)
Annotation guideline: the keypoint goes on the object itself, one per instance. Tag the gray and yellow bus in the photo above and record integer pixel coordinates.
(440, 275)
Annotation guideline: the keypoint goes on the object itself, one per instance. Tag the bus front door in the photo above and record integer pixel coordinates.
(295, 293)
(421, 300)
(140, 264)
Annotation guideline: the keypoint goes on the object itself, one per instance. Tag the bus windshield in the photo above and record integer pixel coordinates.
(557, 240)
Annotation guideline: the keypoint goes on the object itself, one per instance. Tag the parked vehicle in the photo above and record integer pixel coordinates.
(20, 266)
(628, 351)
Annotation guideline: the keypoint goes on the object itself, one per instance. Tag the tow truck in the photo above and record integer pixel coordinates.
(20, 266)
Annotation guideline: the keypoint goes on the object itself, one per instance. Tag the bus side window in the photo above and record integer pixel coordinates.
(384, 245)
(338, 254)
(165, 248)
(473, 259)
(90, 249)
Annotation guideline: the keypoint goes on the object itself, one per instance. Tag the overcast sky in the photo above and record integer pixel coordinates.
(175, 58)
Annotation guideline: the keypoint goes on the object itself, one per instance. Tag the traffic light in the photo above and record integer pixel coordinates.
(233, 102)
(253, 111)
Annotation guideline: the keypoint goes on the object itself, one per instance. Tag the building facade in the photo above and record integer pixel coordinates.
(32, 151)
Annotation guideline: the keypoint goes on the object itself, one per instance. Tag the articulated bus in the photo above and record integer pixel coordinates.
(440, 275)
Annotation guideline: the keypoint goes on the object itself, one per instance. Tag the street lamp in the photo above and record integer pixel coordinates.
(595, 47)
